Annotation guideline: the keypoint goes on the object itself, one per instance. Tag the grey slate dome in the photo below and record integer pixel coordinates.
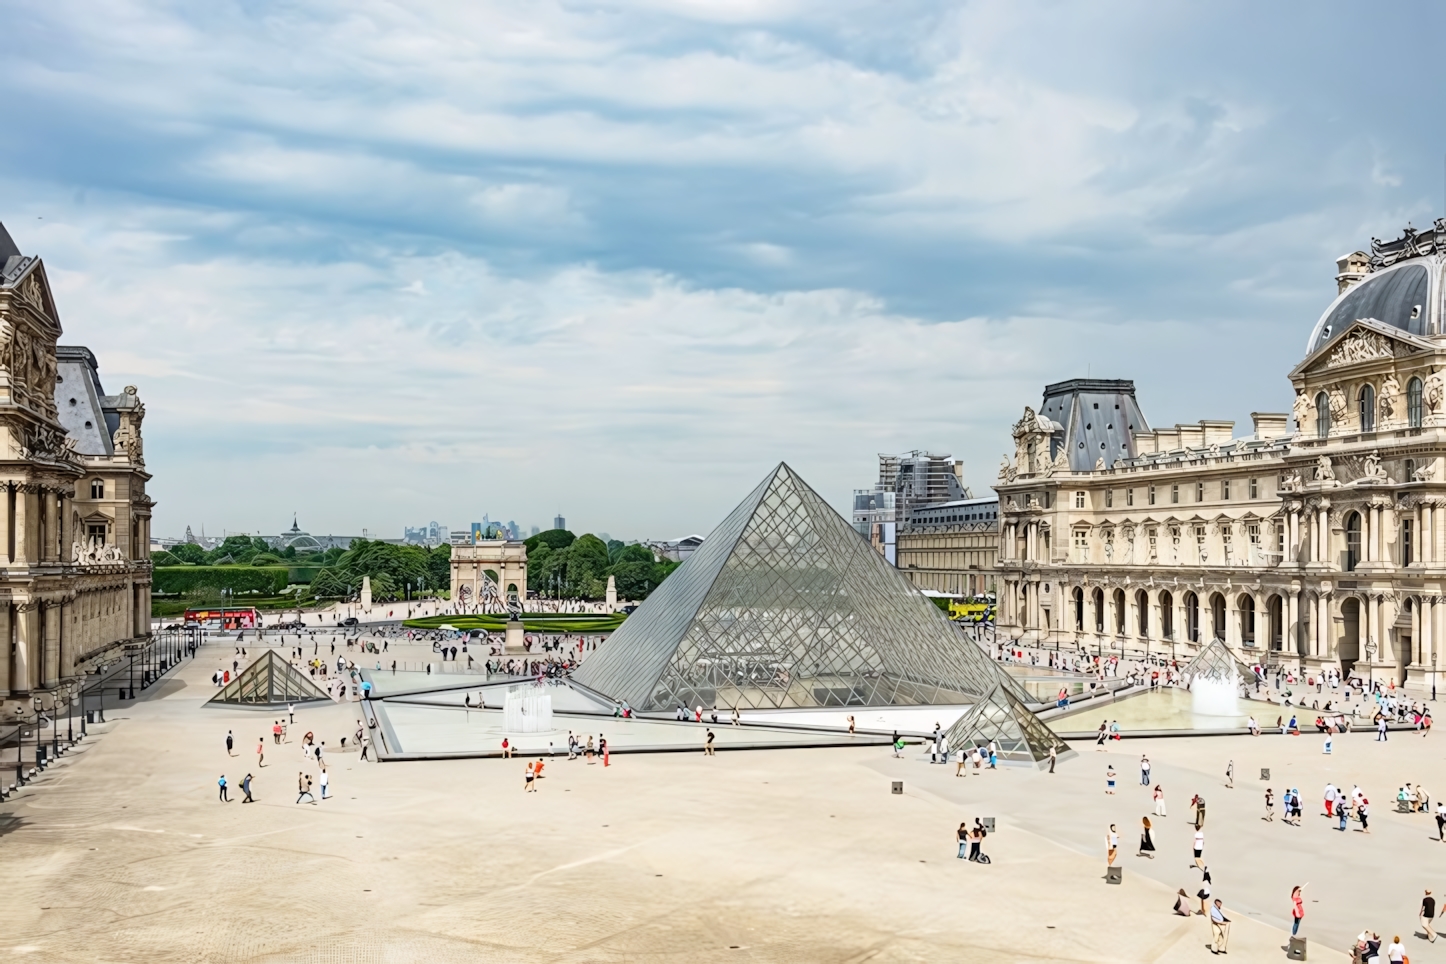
(1398, 296)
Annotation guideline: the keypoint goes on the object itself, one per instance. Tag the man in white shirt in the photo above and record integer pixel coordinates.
(1331, 797)
(1219, 928)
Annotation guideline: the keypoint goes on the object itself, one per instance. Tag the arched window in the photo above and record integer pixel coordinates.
(1078, 610)
(1353, 541)
(1247, 620)
(1142, 612)
(1167, 616)
(1119, 600)
(1322, 415)
(1413, 403)
(1099, 603)
(1192, 617)
(1366, 405)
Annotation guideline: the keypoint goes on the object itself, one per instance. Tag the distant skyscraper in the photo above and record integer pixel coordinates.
(559, 523)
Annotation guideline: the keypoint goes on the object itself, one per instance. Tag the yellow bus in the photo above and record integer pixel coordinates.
(979, 609)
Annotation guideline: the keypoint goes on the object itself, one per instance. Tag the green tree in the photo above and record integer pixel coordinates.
(552, 538)
(189, 553)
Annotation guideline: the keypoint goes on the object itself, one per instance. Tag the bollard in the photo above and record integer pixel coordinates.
(1265, 773)
(1114, 875)
(1296, 950)
(898, 786)
(988, 824)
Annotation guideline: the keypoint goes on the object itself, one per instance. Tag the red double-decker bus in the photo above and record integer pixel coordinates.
(226, 617)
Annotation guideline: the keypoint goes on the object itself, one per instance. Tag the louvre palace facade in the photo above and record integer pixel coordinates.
(1317, 540)
(75, 571)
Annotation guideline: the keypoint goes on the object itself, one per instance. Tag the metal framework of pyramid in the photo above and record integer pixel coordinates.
(1216, 661)
(786, 605)
(270, 679)
(1019, 736)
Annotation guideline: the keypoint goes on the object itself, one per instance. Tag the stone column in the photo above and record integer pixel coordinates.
(5, 661)
(1290, 626)
(50, 551)
(1324, 649)
(50, 623)
(23, 522)
(1426, 539)
(24, 657)
(1323, 534)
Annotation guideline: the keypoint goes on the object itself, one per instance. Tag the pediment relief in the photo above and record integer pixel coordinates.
(34, 288)
(1364, 340)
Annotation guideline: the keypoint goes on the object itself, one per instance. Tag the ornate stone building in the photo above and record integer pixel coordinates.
(950, 547)
(1321, 544)
(75, 572)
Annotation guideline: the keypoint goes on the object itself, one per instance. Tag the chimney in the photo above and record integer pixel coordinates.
(1191, 436)
(1270, 425)
(1217, 431)
(1350, 269)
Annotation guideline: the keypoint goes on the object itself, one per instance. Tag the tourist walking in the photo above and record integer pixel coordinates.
(325, 782)
(1230, 775)
(1428, 916)
(529, 780)
(506, 749)
(963, 838)
(1297, 910)
(222, 784)
(229, 743)
(303, 787)
(1159, 796)
(1144, 770)
(246, 789)
(1197, 803)
(708, 743)
(1380, 727)
(1051, 759)
(1332, 797)
(260, 752)
(1269, 806)
(1109, 778)
(1219, 928)
(1441, 821)
(1112, 846)
(1395, 952)
(602, 749)
(1204, 892)
(1199, 849)
(1147, 844)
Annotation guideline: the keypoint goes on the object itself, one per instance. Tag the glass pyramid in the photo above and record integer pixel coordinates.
(1019, 736)
(1216, 661)
(786, 605)
(270, 679)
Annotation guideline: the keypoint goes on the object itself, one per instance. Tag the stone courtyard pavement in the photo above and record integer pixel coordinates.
(123, 853)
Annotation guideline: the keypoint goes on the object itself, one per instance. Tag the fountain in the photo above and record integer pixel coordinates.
(1215, 696)
(527, 709)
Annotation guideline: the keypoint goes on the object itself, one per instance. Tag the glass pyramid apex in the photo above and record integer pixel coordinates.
(270, 679)
(786, 605)
(1019, 736)
(1216, 661)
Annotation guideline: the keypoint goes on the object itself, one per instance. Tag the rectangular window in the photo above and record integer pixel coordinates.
(1406, 546)
(1174, 494)
(1255, 488)
(1079, 500)
(1199, 491)
(1225, 490)
(1129, 497)
(1109, 498)
(1152, 495)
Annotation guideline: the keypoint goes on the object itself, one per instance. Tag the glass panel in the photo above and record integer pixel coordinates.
(785, 605)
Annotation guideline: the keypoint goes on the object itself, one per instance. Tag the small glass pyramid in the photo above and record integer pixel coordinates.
(270, 679)
(1216, 661)
(786, 605)
(1019, 736)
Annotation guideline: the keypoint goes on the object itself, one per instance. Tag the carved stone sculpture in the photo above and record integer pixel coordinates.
(1302, 411)
(1390, 391)
(1372, 468)
(1323, 470)
(1433, 391)
(1337, 405)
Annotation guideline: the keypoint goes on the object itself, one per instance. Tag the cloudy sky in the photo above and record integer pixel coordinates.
(381, 263)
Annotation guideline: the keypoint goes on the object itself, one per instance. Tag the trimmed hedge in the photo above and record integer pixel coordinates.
(268, 580)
